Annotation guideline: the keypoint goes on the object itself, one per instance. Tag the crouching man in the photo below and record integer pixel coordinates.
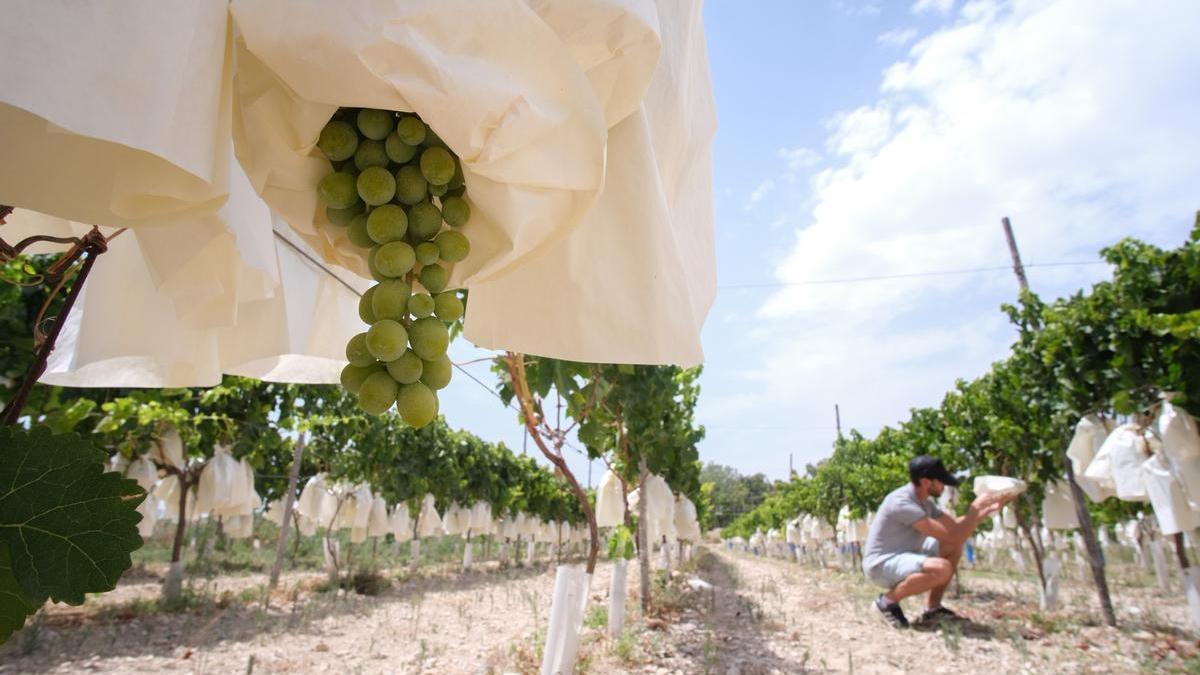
(914, 547)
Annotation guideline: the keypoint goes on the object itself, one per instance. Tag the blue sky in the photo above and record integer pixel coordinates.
(865, 139)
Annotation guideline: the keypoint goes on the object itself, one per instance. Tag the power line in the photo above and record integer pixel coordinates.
(320, 265)
(909, 275)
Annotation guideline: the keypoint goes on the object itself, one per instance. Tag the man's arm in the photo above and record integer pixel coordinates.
(953, 530)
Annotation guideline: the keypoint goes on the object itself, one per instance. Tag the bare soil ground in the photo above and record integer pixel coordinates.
(441, 621)
(749, 615)
(771, 616)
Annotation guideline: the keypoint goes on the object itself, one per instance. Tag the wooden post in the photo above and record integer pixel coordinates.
(1086, 528)
(293, 480)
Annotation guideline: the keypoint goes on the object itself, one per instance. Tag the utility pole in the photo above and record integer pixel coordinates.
(1018, 268)
(838, 416)
(1086, 528)
(791, 471)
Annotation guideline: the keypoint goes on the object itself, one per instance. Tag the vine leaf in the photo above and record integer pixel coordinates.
(68, 526)
(14, 606)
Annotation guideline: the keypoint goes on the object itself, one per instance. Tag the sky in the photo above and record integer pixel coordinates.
(862, 139)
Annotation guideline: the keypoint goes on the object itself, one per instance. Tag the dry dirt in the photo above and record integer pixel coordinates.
(758, 616)
(771, 616)
(440, 622)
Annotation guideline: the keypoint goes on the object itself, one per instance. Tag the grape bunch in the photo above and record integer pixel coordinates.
(399, 192)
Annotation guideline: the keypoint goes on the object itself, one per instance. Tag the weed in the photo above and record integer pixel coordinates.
(952, 635)
(597, 617)
(1047, 624)
(625, 647)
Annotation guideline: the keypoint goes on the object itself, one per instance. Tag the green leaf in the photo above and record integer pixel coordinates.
(14, 606)
(69, 526)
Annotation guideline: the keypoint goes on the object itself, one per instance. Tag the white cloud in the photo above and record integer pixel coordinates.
(858, 7)
(764, 188)
(1077, 119)
(860, 130)
(1080, 120)
(939, 6)
(799, 159)
(897, 37)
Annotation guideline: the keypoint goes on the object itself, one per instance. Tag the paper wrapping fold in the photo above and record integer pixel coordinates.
(588, 242)
(584, 127)
(288, 322)
(119, 115)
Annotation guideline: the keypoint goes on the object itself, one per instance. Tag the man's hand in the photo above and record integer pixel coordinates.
(988, 504)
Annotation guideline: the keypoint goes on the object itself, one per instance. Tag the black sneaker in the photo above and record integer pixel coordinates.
(937, 614)
(891, 612)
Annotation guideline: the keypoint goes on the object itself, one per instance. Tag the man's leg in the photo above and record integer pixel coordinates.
(934, 572)
(952, 554)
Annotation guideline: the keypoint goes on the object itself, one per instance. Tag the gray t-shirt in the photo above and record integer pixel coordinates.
(892, 531)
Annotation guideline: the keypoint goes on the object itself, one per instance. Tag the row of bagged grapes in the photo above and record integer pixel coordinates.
(399, 192)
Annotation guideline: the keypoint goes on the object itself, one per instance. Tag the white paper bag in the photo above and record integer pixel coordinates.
(581, 125)
(1058, 507)
(115, 113)
(1181, 445)
(610, 508)
(1171, 507)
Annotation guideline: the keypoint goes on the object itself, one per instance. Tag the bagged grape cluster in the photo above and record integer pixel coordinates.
(399, 192)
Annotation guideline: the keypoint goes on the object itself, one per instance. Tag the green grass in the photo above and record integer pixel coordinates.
(597, 617)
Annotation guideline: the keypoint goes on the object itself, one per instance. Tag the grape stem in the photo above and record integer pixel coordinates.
(88, 248)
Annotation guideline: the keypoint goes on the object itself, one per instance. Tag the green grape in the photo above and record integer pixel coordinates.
(376, 186)
(429, 338)
(374, 268)
(411, 130)
(406, 369)
(410, 185)
(437, 165)
(438, 190)
(424, 220)
(421, 305)
(375, 124)
(458, 183)
(448, 307)
(387, 223)
(353, 376)
(390, 299)
(369, 154)
(452, 246)
(338, 190)
(344, 216)
(436, 373)
(357, 232)
(337, 141)
(427, 253)
(417, 404)
(395, 259)
(357, 353)
(386, 339)
(377, 393)
(456, 211)
(397, 150)
(434, 278)
(365, 312)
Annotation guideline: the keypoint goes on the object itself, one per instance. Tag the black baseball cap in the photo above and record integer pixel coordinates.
(924, 466)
